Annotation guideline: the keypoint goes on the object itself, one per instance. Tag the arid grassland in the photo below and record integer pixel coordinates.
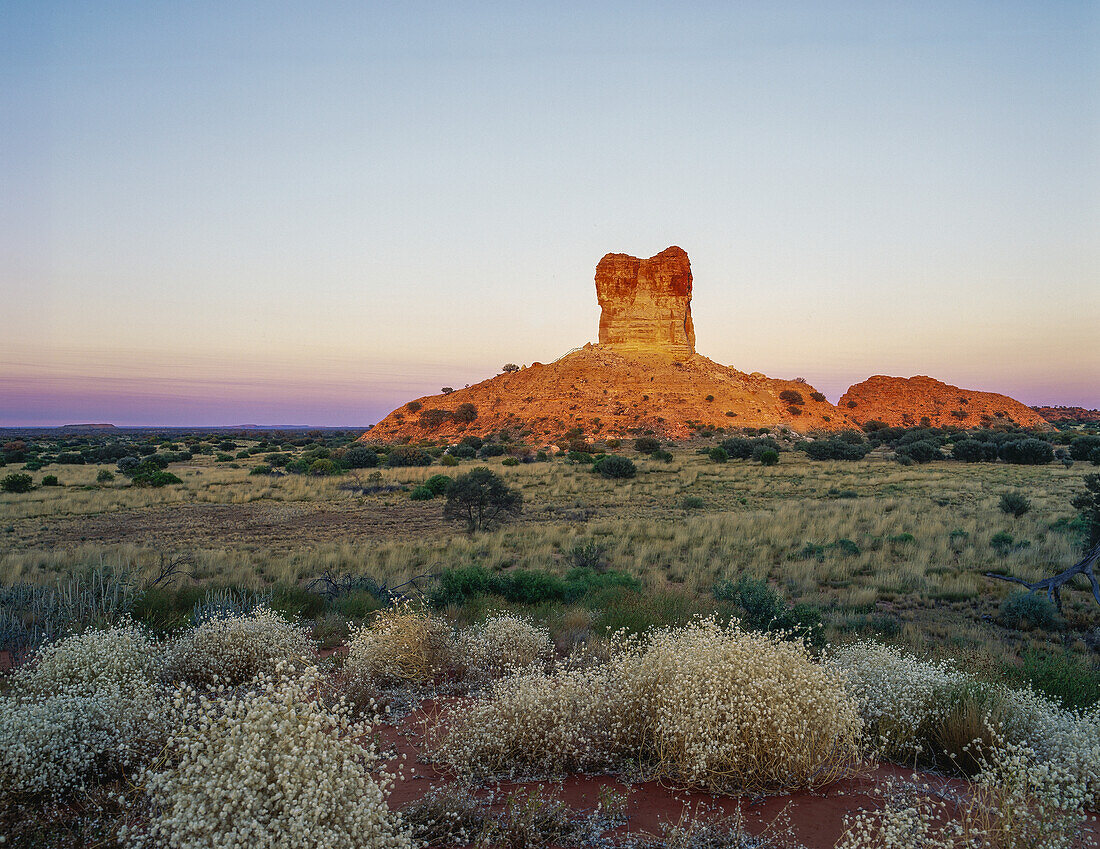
(308, 641)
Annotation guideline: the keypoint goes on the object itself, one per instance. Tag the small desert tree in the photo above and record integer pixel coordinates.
(481, 500)
(508, 368)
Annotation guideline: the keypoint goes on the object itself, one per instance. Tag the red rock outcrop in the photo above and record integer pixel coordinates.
(611, 393)
(646, 303)
(913, 401)
(1068, 414)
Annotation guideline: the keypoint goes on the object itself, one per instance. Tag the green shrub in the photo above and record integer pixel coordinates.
(465, 413)
(663, 456)
(421, 493)
(491, 449)
(481, 500)
(1027, 452)
(693, 502)
(448, 460)
(1002, 542)
(1014, 504)
(1025, 610)
(579, 457)
(646, 444)
(262, 469)
(835, 449)
(221, 458)
(407, 455)
(323, 467)
(104, 476)
(1073, 681)
(297, 467)
(792, 396)
(973, 451)
(921, 451)
(296, 602)
(614, 466)
(359, 457)
(437, 484)
(154, 479)
(718, 454)
(50, 480)
(765, 456)
(510, 461)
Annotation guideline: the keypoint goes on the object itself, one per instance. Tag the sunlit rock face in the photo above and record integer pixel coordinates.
(646, 303)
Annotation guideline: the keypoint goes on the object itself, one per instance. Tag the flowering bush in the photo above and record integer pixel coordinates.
(908, 703)
(705, 705)
(87, 706)
(270, 766)
(1017, 802)
(404, 644)
(236, 648)
(896, 692)
(504, 643)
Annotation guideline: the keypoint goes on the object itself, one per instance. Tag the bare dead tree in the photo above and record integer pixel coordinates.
(172, 567)
(1053, 585)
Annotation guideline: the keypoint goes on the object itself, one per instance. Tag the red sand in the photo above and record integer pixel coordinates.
(816, 818)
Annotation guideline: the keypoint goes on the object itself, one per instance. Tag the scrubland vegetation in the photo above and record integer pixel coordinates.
(703, 616)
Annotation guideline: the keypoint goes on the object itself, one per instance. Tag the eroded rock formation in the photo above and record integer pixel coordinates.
(921, 400)
(646, 303)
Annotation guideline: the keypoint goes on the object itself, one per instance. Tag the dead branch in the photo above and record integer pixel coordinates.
(1053, 585)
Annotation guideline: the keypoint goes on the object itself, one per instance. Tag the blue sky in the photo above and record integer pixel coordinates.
(308, 213)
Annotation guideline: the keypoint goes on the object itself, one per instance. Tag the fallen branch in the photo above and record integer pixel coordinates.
(1053, 585)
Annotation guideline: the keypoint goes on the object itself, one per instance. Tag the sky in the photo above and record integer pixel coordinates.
(301, 213)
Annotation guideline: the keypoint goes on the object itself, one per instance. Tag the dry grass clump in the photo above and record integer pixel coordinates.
(733, 710)
(236, 648)
(88, 707)
(706, 705)
(536, 723)
(504, 644)
(269, 766)
(404, 644)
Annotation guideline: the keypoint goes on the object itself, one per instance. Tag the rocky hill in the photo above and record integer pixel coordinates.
(1070, 414)
(644, 375)
(907, 402)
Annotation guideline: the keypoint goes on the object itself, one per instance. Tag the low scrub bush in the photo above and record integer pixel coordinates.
(403, 644)
(88, 706)
(614, 466)
(270, 766)
(17, 482)
(1026, 610)
(504, 644)
(704, 706)
(233, 649)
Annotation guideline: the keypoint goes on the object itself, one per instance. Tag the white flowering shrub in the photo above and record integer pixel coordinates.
(535, 723)
(896, 692)
(906, 703)
(706, 705)
(504, 643)
(403, 644)
(87, 662)
(268, 766)
(83, 709)
(1018, 801)
(235, 649)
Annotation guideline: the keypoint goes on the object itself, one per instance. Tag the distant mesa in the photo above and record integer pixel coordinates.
(921, 400)
(644, 376)
(88, 427)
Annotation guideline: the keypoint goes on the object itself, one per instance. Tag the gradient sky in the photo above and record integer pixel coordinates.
(219, 213)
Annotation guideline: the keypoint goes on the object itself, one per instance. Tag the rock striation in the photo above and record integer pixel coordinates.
(921, 400)
(645, 304)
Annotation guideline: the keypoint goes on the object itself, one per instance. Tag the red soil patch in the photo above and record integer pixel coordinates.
(816, 818)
